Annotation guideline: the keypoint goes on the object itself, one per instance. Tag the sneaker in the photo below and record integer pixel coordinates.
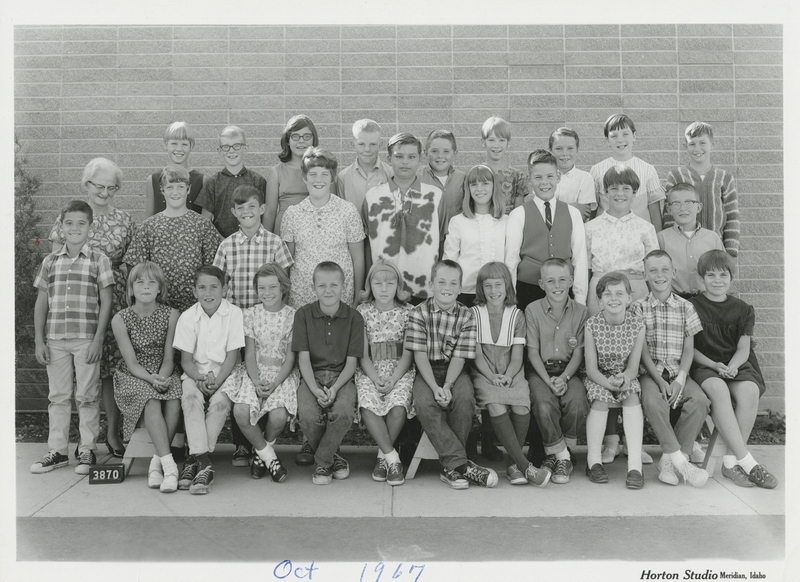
(394, 474)
(276, 470)
(549, 463)
(515, 476)
(762, 478)
(482, 476)
(738, 476)
(597, 473)
(634, 480)
(170, 482)
(322, 475)
(50, 461)
(694, 476)
(155, 478)
(201, 484)
(453, 478)
(241, 456)
(562, 471)
(380, 472)
(305, 456)
(609, 454)
(189, 472)
(258, 468)
(85, 461)
(698, 454)
(666, 471)
(341, 470)
(538, 477)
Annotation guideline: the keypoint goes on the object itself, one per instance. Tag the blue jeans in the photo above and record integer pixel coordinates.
(558, 416)
(324, 428)
(447, 428)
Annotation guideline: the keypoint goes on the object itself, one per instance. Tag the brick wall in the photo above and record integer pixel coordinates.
(81, 92)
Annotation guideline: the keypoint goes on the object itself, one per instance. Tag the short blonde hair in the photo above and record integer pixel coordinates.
(179, 130)
(498, 126)
(365, 126)
(144, 269)
(174, 173)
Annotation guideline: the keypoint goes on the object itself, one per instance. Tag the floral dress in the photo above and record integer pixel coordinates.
(321, 234)
(110, 234)
(273, 334)
(385, 331)
(148, 336)
(613, 344)
(514, 185)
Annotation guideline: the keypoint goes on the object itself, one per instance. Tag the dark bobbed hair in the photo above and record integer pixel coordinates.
(294, 125)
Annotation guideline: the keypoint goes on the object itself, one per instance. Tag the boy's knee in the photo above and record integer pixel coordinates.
(545, 409)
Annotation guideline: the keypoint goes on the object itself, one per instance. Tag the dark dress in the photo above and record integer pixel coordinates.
(723, 324)
(195, 185)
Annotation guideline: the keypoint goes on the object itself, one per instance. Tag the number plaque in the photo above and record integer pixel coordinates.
(102, 474)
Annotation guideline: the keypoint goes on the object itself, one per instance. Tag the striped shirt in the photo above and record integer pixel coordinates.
(442, 335)
(73, 291)
(649, 191)
(241, 257)
(720, 212)
(666, 326)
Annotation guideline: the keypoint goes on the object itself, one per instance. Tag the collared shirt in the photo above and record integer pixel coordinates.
(685, 252)
(577, 186)
(555, 338)
(619, 244)
(329, 340)
(241, 257)
(73, 291)
(209, 339)
(352, 183)
(217, 196)
(666, 326)
(442, 335)
(514, 232)
(649, 191)
(473, 242)
(453, 186)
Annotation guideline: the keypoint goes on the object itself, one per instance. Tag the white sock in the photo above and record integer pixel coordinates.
(393, 457)
(595, 427)
(169, 464)
(678, 460)
(267, 454)
(729, 461)
(747, 463)
(571, 443)
(563, 455)
(380, 454)
(633, 422)
(155, 464)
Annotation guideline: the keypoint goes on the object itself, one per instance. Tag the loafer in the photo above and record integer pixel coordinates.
(597, 473)
(762, 478)
(634, 480)
(738, 476)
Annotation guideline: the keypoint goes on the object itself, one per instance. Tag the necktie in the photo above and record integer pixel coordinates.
(548, 218)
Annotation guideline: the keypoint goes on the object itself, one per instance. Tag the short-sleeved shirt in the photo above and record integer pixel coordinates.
(576, 187)
(240, 257)
(666, 327)
(441, 334)
(452, 187)
(352, 183)
(217, 196)
(685, 252)
(619, 244)
(209, 339)
(555, 338)
(329, 340)
(73, 291)
(649, 191)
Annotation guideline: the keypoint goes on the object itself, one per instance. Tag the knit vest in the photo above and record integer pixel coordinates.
(539, 244)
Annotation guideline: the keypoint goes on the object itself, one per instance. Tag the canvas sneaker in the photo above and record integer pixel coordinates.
(380, 472)
(241, 456)
(201, 484)
(453, 478)
(394, 474)
(322, 475)
(549, 463)
(482, 476)
(341, 470)
(666, 471)
(562, 471)
(515, 476)
(538, 477)
(698, 454)
(305, 456)
(694, 476)
(85, 461)
(50, 461)
(189, 472)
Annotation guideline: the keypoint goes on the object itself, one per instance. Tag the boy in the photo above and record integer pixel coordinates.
(670, 324)
(442, 334)
(555, 352)
(716, 188)
(216, 197)
(239, 256)
(406, 218)
(620, 136)
(495, 139)
(686, 241)
(72, 310)
(542, 229)
(368, 170)
(209, 335)
(329, 339)
(441, 150)
(575, 187)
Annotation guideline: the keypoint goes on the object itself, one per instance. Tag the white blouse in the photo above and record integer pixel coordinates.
(473, 242)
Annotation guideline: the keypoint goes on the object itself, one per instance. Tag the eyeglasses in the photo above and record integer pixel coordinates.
(686, 204)
(101, 187)
(304, 137)
(235, 147)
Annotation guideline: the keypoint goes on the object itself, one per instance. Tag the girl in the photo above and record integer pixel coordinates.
(386, 375)
(323, 228)
(111, 232)
(146, 379)
(500, 385)
(285, 184)
(726, 368)
(511, 183)
(613, 348)
(179, 240)
(266, 384)
(478, 235)
(179, 143)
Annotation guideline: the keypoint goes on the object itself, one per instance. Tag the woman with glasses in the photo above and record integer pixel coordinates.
(285, 185)
(111, 232)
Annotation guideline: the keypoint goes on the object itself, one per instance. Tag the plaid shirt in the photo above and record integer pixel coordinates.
(73, 291)
(666, 326)
(441, 334)
(241, 257)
